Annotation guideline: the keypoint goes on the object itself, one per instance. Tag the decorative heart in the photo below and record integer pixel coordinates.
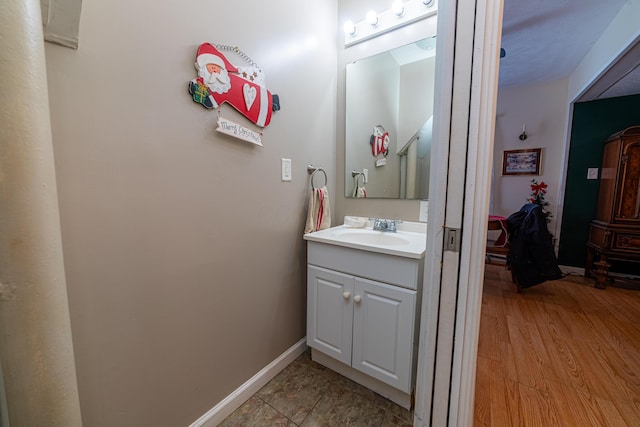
(249, 95)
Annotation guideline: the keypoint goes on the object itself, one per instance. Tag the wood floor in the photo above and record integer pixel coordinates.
(559, 354)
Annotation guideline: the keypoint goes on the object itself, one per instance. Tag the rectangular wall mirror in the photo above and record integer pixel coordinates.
(389, 108)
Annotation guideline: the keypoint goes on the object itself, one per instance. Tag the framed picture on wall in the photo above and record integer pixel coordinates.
(522, 162)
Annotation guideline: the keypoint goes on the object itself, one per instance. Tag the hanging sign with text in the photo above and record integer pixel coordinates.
(238, 131)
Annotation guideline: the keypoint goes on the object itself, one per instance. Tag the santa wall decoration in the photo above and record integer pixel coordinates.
(242, 87)
(379, 144)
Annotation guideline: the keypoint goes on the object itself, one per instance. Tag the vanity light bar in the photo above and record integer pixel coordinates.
(414, 10)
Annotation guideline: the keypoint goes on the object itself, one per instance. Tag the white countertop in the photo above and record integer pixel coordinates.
(409, 241)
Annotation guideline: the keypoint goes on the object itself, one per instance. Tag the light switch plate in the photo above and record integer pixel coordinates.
(286, 169)
(424, 211)
(592, 173)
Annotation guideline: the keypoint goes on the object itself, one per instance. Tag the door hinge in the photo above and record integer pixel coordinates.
(452, 239)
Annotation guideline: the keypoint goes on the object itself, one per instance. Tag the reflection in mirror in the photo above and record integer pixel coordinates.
(389, 108)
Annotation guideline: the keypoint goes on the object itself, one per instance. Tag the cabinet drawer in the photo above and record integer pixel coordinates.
(599, 237)
(400, 271)
(627, 242)
(614, 238)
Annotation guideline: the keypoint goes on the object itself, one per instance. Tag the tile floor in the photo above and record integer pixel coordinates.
(308, 394)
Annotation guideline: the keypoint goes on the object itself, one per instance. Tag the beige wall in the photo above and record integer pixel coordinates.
(543, 108)
(183, 249)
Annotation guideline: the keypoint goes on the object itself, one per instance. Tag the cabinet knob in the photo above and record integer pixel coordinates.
(346, 295)
(357, 298)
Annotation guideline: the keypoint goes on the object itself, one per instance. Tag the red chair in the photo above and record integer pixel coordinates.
(498, 251)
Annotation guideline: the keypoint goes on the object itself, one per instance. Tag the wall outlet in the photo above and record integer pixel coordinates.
(365, 172)
(424, 211)
(286, 169)
(592, 173)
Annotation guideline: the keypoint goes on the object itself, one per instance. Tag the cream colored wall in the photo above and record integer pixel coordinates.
(543, 109)
(183, 249)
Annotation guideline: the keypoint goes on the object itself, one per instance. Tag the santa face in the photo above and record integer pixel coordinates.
(216, 77)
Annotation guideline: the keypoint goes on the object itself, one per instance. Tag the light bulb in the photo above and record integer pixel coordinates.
(372, 18)
(350, 28)
(397, 7)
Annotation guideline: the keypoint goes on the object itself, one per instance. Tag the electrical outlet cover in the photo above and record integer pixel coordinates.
(286, 169)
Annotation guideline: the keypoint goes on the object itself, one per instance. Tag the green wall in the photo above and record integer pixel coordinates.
(593, 123)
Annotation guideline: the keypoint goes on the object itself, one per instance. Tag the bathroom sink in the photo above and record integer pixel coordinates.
(404, 243)
(368, 236)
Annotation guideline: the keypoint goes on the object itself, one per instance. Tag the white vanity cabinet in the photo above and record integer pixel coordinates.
(362, 323)
(362, 316)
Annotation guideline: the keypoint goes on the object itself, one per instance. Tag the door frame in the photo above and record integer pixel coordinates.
(468, 46)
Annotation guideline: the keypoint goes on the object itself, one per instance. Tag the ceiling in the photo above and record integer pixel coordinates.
(546, 40)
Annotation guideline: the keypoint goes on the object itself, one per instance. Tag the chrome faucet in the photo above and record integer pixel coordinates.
(380, 224)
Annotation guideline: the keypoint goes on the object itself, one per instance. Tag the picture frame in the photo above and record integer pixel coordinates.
(522, 162)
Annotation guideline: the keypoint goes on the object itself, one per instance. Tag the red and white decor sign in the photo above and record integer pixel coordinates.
(379, 144)
(242, 87)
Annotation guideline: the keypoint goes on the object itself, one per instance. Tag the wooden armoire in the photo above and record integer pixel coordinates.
(615, 232)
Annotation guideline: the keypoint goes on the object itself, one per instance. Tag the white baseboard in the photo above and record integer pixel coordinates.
(567, 269)
(232, 402)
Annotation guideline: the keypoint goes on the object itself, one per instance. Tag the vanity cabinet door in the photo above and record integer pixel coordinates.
(330, 312)
(383, 329)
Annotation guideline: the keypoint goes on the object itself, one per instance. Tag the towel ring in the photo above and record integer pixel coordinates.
(313, 171)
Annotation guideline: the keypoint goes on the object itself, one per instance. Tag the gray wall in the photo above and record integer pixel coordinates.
(183, 249)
